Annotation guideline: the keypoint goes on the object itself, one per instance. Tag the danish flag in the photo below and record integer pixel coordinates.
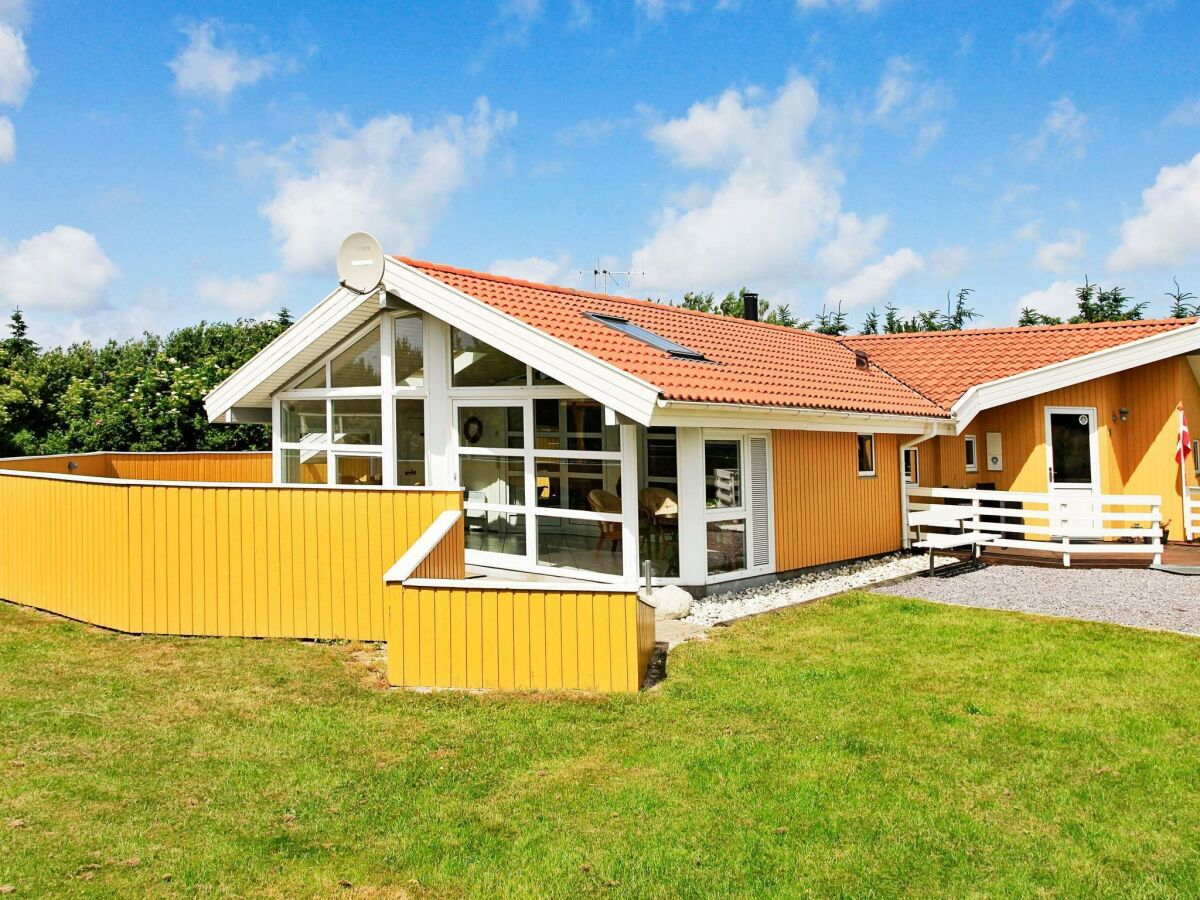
(1184, 448)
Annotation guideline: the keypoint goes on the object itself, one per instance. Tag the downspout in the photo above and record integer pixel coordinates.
(930, 433)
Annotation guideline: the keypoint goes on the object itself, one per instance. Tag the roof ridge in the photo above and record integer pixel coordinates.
(895, 378)
(592, 295)
(1026, 329)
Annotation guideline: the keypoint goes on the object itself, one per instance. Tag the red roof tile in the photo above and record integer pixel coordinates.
(944, 364)
(748, 362)
(768, 365)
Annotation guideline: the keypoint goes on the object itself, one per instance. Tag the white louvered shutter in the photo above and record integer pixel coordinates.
(759, 503)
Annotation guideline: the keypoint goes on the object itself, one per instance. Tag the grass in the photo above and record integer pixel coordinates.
(862, 745)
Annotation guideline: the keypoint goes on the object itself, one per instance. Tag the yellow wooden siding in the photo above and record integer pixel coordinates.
(1137, 456)
(224, 468)
(248, 561)
(824, 511)
(536, 639)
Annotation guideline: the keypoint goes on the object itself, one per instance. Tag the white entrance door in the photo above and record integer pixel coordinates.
(737, 515)
(1073, 467)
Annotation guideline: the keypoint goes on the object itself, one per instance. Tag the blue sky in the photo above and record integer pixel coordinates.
(160, 163)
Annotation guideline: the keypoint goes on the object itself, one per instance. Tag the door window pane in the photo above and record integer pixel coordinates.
(357, 422)
(1071, 444)
(491, 426)
(305, 467)
(723, 474)
(303, 421)
(476, 364)
(726, 546)
(495, 532)
(359, 365)
(359, 470)
(493, 479)
(410, 442)
(576, 544)
(409, 354)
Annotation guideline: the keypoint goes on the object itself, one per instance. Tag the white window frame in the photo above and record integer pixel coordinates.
(865, 473)
(971, 462)
(743, 510)
(386, 393)
(912, 474)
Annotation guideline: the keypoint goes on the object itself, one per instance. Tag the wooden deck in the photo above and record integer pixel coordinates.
(1174, 554)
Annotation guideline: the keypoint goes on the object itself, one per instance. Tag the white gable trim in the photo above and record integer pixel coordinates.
(287, 348)
(595, 378)
(1109, 361)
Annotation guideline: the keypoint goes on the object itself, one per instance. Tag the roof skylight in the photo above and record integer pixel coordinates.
(646, 336)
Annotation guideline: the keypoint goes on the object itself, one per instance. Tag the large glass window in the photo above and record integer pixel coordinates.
(334, 422)
(725, 517)
(477, 364)
(658, 500)
(553, 463)
(723, 474)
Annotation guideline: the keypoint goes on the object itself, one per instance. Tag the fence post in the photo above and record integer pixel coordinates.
(1156, 522)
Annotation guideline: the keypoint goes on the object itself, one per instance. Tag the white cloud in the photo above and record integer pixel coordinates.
(856, 239)
(658, 9)
(62, 269)
(853, 5)
(206, 70)
(1063, 255)
(389, 177)
(537, 268)
(247, 296)
(906, 102)
(773, 200)
(950, 262)
(874, 283)
(1186, 113)
(14, 12)
(1166, 230)
(8, 141)
(1057, 300)
(1065, 129)
(16, 73)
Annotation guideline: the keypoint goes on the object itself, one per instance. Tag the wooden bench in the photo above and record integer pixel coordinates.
(972, 539)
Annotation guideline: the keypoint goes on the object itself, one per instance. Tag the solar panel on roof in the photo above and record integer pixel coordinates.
(646, 336)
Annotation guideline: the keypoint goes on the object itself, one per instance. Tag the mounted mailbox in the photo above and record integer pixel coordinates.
(995, 452)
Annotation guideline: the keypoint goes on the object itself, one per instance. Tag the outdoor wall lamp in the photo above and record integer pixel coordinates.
(1123, 413)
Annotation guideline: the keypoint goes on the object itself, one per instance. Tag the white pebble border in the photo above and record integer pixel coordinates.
(723, 607)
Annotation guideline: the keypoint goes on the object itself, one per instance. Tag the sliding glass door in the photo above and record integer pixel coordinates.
(737, 514)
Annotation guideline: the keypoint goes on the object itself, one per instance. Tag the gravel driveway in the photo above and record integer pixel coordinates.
(1139, 597)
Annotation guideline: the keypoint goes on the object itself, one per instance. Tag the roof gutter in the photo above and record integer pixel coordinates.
(677, 411)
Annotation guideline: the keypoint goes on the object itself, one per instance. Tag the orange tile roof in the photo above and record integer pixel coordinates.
(749, 362)
(758, 364)
(944, 364)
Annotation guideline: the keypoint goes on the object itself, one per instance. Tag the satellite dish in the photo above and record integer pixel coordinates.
(360, 262)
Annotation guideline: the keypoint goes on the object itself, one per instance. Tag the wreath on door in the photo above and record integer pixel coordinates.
(472, 430)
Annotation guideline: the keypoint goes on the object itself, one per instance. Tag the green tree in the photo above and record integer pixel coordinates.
(959, 314)
(1182, 303)
(870, 324)
(1030, 317)
(734, 306)
(832, 322)
(1098, 305)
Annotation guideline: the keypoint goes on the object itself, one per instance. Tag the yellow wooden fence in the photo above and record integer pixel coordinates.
(254, 561)
(227, 468)
(447, 631)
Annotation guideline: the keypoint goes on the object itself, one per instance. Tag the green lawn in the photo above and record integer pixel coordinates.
(861, 745)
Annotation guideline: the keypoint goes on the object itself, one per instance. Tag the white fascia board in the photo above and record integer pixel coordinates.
(303, 333)
(575, 368)
(681, 414)
(1104, 362)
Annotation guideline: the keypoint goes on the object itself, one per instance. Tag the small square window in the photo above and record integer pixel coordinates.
(866, 455)
(970, 453)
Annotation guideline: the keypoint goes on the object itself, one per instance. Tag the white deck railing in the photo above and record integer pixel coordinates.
(1083, 525)
(1191, 513)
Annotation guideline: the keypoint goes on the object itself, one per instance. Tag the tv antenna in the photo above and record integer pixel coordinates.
(602, 277)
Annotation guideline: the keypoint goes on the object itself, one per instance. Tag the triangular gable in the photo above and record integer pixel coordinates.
(338, 315)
